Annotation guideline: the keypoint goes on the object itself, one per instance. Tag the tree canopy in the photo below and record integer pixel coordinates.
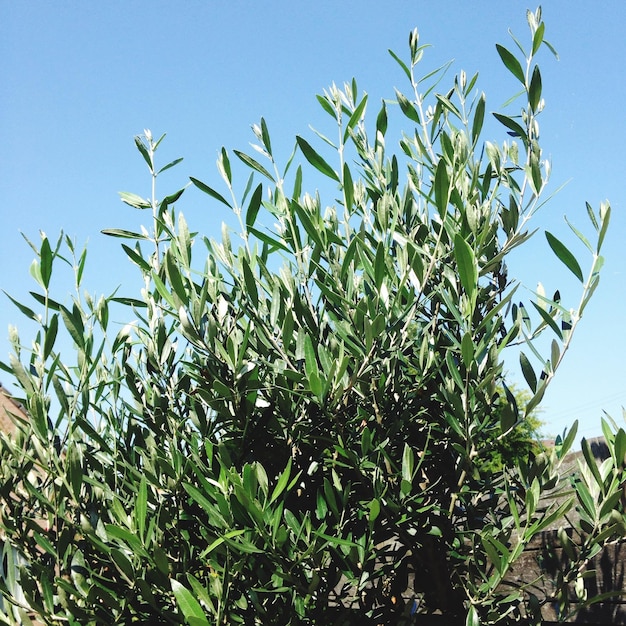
(293, 428)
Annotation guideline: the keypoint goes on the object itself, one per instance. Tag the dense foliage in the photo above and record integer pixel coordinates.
(294, 429)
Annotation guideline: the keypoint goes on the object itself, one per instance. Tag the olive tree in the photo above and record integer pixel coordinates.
(291, 427)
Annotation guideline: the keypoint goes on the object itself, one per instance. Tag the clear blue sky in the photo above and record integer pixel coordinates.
(79, 79)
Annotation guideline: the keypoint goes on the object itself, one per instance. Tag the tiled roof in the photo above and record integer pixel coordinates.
(8, 407)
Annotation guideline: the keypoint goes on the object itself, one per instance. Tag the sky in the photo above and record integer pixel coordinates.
(78, 80)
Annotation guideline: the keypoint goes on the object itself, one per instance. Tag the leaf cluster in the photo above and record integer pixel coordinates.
(294, 429)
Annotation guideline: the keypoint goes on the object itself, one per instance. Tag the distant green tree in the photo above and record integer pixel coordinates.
(290, 429)
(522, 442)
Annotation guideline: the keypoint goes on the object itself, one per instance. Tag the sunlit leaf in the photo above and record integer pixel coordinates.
(254, 206)
(565, 256)
(466, 264)
(316, 160)
(132, 199)
(188, 605)
(210, 191)
(534, 90)
(255, 165)
(529, 373)
(511, 63)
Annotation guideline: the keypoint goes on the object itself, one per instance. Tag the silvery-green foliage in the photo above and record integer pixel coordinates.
(289, 426)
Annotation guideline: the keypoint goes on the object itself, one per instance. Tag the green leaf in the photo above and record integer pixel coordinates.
(172, 268)
(74, 324)
(472, 619)
(565, 256)
(163, 291)
(467, 349)
(223, 165)
(188, 605)
(132, 199)
(282, 482)
(479, 118)
(538, 37)
(442, 187)
(170, 164)
(407, 108)
(211, 192)
(555, 353)
(511, 63)
(50, 335)
(254, 206)
(528, 372)
(123, 234)
(401, 63)
(141, 507)
(511, 124)
(316, 160)
(23, 308)
(126, 537)
(534, 90)
(605, 218)
(348, 188)
(123, 563)
(356, 116)
(380, 266)
(408, 463)
(381, 120)
(447, 104)
(548, 319)
(46, 258)
(80, 573)
(466, 264)
(136, 258)
(274, 244)
(141, 146)
(255, 165)
(250, 281)
(327, 106)
(591, 462)
(580, 235)
(266, 137)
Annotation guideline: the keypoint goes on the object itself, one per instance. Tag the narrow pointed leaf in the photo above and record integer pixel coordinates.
(538, 37)
(208, 190)
(132, 199)
(511, 63)
(381, 120)
(136, 258)
(479, 118)
(348, 187)
(50, 336)
(356, 116)
(46, 262)
(316, 160)
(528, 372)
(605, 217)
(511, 124)
(255, 165)
(170, 164)
(534, 90)
(123, 234)
(407, 108)
(254, 206)
(442, 187)
(549, 320)
(401, 63)
(141, 146)
(565, 256)
(265, 135)
(188, 605)
(466, 264)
